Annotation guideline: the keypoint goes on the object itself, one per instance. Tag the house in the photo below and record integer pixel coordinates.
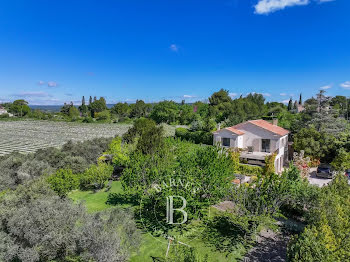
(256, 139)
(3, 110)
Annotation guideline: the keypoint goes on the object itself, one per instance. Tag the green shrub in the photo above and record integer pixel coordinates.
(4, 116)
(181, 133)
(103, 116)
(88, 119)
(198, 137)
(63, 181)
(96, 176)
(249, 170)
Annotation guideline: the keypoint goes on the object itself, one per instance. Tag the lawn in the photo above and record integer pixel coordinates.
(150, 245)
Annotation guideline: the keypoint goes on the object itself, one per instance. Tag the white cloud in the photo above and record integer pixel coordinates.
(283, 94)
(270, 6)
(52, 84)
(188, 96)
(326, 87)
(285, 101)
(266, 94)
(346, 85)
(174, 48)
(232, 94)
(40, 83)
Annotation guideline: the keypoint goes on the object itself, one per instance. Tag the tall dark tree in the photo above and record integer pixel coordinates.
(300, 100)
(290, 104)
(90, 100)
(295, 107)
(83, 108)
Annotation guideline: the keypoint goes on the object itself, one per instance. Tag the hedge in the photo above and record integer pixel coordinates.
(249, 170)
(198, 137)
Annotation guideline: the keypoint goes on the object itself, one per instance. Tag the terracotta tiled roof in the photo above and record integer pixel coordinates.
(231, 129)
(265, 125)
(234, 130)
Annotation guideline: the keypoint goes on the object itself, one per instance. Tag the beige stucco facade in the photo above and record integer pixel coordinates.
(253, 137)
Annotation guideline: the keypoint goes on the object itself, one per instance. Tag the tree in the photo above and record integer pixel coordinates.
(63, 181)
(20, 108)
(121, 110)
(36, 225)
(300, 100)
(73, 112)
(103, 116)
(96, 176)
(140, 127)
(295, 106)
(342, 160)
(90, 100)
(315, 144)
(327, 237)
(151, 141)
(219, 98)
(290, 104)
(139, 109)
(97, 106)
(165, 112)
(83, 108)
(65, 108)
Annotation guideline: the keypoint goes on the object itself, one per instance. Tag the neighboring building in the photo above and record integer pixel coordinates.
(4, 111)
(300, 108)
(257, 139)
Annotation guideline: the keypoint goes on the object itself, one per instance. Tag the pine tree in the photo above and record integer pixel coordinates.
(95, 98)
(90, 100)
(300, 100)
(83, 101)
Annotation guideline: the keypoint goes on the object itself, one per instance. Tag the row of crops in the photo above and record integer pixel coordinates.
(29, 136)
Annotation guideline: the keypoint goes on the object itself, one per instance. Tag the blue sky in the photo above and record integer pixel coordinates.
(56, 51)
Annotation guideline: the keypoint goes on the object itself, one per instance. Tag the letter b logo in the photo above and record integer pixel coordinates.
(170, 210)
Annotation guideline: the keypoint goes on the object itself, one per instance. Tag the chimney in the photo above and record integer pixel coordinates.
(275, 121)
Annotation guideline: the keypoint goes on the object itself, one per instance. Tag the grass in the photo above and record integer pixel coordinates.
(95, 202)
(151, 246)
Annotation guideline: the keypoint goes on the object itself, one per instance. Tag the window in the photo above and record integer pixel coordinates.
(226, 142)
(265, 145)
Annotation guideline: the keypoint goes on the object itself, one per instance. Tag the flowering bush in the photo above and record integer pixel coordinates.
(302, 163)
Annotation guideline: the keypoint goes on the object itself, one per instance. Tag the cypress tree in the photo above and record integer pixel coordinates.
(295, 105)
(290, 104)
(300, 100)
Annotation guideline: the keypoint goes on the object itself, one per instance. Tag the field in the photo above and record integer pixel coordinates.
(29, 136)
